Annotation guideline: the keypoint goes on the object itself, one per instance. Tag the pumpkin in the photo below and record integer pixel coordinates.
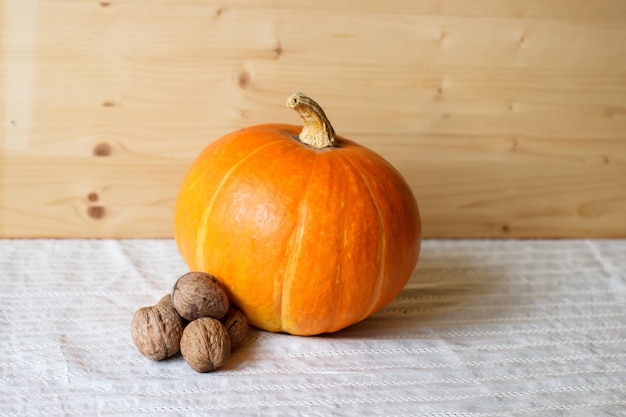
(308, 231)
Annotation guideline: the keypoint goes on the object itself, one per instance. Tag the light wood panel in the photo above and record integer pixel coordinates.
(507, 118)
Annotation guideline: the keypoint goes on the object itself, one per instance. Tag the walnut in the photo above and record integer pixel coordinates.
(205, 344)
(237, 325)
(167, 300)
(198, 294)
(157, 330)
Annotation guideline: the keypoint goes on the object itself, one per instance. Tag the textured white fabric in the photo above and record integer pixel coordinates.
(484, 328)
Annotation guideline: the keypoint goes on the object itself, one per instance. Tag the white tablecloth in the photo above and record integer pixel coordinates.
(483, 328)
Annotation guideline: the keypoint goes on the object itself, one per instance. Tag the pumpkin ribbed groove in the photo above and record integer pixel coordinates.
(202, 231)
(296, 249)
(375, 298)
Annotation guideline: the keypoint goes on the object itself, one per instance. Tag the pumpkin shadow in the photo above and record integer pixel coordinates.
(444, 285)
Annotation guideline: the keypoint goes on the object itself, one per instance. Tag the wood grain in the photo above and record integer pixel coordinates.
(507, 118)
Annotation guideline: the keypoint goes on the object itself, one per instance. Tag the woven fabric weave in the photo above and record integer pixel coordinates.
(483, 328)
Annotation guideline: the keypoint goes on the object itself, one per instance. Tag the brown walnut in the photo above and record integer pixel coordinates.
(205, 344)
(237, 325)
(167, 300)
(157, 330)
(198, 294)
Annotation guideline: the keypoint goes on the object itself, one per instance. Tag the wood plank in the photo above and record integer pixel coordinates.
(87, 197)
(507, 118)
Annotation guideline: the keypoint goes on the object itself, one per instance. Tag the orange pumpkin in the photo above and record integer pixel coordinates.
(309, 232)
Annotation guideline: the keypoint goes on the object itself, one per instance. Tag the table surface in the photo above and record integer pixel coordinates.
(483, 328)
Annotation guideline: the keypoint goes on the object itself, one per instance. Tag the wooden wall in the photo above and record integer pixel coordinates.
(507, 118)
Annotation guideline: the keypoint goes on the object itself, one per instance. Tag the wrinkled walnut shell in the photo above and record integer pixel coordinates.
(167, 300)
(198, 294)
(237, 325)
(205, 344)
(157, 330)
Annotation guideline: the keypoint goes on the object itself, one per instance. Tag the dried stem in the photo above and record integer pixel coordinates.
(317, 131)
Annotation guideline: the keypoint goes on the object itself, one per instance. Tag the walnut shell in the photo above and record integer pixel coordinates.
(157, 330)
(205, 344)
(237, 325)
(198, 294)
(167, 300)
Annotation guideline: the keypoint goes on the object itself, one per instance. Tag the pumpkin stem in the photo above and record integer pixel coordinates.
(317, 131)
